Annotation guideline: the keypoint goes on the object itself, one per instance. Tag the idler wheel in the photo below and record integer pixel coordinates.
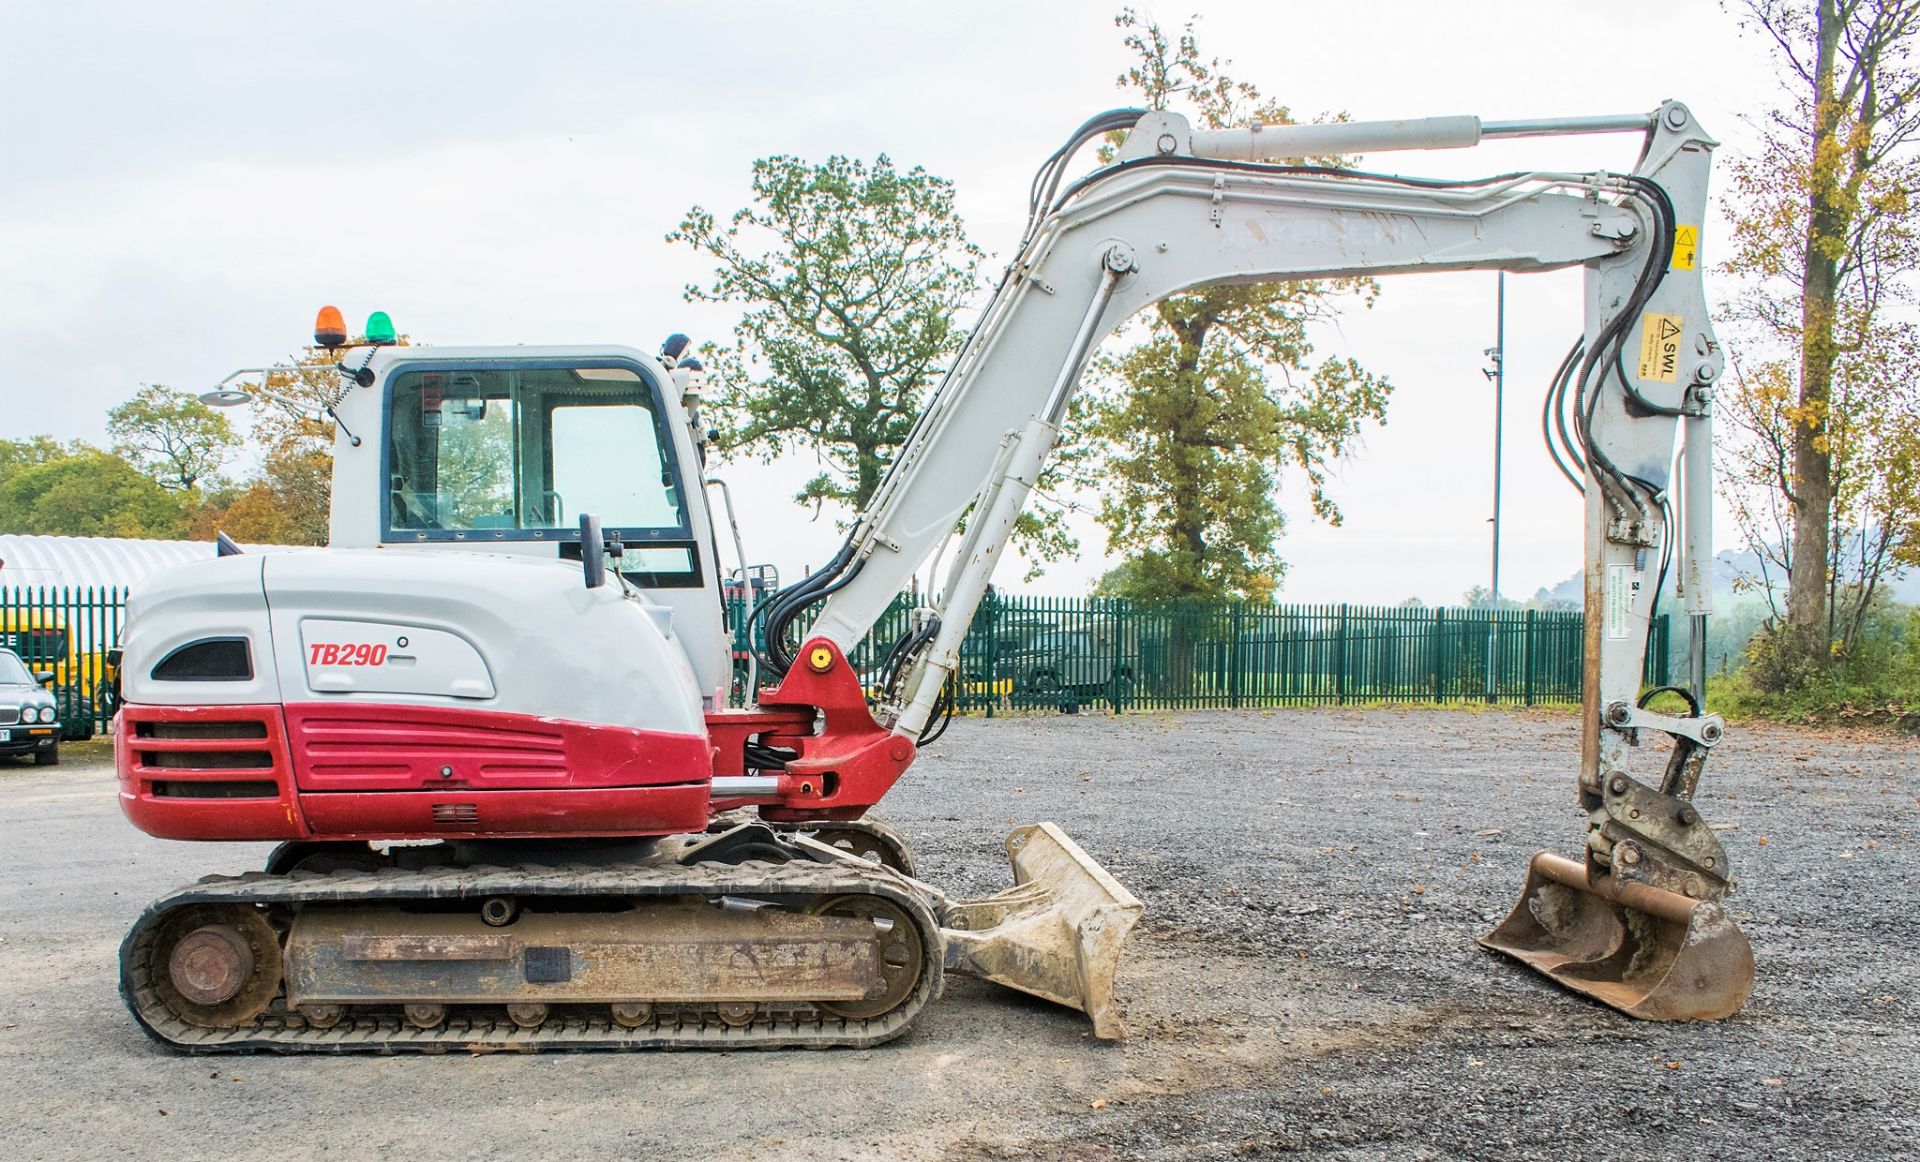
(530, 1015)
(217, 965)
(323, 1016)
(902, 957)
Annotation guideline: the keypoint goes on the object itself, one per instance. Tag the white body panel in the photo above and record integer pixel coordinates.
(213, 598)
(483, 631)
(391, 657)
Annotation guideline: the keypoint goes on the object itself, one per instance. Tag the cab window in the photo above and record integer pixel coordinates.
(521, 452)
(528, 449)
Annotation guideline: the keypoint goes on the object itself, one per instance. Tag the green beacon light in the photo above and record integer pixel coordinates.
(380, 329)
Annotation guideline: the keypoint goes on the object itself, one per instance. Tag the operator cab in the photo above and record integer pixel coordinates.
(504, 449)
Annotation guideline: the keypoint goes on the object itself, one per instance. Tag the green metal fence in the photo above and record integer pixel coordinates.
(1040, 652)
(67, 631)
(1047, 652)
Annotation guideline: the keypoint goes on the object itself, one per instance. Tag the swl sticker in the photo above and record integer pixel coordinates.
(1620, 589)
(1659, 347)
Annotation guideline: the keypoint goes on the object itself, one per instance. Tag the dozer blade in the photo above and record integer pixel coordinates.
(1056, 934)
(1650, 953)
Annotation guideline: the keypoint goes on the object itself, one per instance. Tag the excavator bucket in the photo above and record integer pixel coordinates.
(1650, 953)
(1055, 934)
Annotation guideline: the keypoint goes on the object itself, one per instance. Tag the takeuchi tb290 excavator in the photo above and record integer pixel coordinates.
(490, 724)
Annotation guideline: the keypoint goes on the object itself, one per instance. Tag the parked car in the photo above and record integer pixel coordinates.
(29, 713)
(1064, 668)
(40, 638)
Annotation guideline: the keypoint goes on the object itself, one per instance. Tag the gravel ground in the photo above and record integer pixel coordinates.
(1305, 979)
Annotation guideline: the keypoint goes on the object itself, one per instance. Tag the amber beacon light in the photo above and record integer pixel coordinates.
(329, 328)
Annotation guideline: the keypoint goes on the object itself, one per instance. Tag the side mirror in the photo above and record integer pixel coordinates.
(43, 676)
(593, 551)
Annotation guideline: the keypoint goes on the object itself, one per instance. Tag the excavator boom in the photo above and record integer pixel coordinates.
(1180, 210)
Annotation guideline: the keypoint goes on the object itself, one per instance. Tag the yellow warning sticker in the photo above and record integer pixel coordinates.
(1686, 247)
(1659, 347)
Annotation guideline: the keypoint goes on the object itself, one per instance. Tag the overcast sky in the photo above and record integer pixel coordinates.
(182, 185)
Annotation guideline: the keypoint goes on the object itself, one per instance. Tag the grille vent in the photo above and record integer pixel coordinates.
(456, 813)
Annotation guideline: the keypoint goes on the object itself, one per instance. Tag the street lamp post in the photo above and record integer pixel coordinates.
(1498, 374)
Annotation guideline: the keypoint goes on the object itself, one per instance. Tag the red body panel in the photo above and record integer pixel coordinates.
(161, 751)
(354, 746)
(374, 815)
(843, 769)
(364, 771)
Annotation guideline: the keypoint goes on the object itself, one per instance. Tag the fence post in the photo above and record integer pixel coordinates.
(992, 675)
(1493, 655)
(1439, 652)
(1233, 656)
(1340, 672)
(1526, 686)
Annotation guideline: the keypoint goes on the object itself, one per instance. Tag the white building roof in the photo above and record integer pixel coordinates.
(35, 562)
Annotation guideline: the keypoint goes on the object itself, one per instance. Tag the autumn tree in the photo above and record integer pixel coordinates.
(289, 500)
(852, 277)
(1191, 428)
(293, 404)
(287, 503)
(171, 436)
(1823, 413)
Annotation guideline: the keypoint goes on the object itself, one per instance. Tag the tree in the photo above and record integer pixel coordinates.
(851, 275)
(85, 492)
(1481, 597)
(289, 501)
(302, 485)
(1824, 413)
(17, 456)
(171, 436)
(286, 504)
(1190, 428)
(290, 408)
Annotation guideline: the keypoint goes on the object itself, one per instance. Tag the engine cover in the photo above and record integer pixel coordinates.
(385, 694)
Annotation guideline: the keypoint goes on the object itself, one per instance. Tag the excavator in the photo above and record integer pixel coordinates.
(491, 729)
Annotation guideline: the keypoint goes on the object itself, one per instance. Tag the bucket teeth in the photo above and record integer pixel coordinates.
(1648, 952)
(1055, 934)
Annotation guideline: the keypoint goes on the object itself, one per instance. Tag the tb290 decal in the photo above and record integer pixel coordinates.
(347, 654)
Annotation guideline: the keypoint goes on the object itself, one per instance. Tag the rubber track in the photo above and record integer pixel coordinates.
(479, 1028)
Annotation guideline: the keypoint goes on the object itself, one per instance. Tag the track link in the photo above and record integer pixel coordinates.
(488, 1028)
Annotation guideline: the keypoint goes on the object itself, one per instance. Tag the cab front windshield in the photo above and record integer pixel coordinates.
(527, 450)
